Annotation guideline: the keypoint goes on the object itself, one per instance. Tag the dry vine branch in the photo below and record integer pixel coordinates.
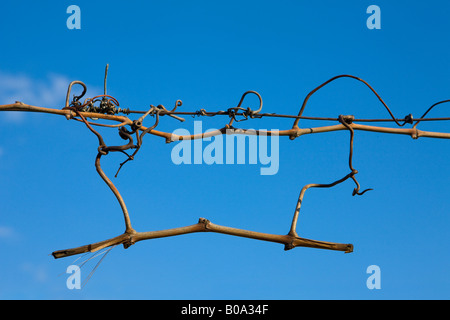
(108, 110)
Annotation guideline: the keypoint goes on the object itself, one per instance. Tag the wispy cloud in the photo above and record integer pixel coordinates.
(49, 91)
(10, 236)
(7, 232)
(45, 92)
(37, 272)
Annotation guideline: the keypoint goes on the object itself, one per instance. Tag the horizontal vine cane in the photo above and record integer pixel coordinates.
(106, 107)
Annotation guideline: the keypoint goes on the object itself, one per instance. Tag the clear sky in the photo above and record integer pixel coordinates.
(207, 54)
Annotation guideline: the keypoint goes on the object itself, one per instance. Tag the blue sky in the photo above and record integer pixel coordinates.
(208, 54)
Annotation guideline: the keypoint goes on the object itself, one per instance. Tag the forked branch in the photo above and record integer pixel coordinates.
(134, 131)
(204, 225)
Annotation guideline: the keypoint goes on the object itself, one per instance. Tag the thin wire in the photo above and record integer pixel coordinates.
(97, 265)
(429, 109)
(345, 76)
(202, 112)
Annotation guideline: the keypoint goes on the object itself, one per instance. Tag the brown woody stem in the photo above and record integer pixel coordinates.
(204, 225)
(130, 236)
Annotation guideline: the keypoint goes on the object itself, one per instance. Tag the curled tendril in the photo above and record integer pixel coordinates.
(246, 112)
